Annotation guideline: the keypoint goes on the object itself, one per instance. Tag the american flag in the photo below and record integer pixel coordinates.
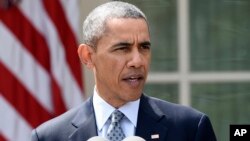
(40, 73)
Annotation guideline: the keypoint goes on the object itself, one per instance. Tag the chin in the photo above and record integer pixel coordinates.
(134, 97)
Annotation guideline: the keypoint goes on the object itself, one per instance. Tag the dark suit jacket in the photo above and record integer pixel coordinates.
(170, 121)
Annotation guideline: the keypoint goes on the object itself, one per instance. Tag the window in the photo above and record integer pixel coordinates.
(201, 57)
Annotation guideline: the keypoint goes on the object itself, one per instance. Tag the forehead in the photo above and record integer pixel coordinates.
(126, 24)
(127, 30)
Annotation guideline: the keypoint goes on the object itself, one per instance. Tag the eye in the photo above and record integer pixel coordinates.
(121, 48)
(146, 47)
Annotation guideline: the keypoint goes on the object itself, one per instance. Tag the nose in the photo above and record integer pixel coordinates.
(136, 59)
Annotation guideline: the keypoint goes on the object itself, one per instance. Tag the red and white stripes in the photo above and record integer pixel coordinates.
(40, 73)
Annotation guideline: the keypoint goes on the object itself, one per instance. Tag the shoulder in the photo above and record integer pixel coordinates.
(186, 121)
(168, 107)
(58, 128)
(51, 129)
(175, 112)
(59, 121)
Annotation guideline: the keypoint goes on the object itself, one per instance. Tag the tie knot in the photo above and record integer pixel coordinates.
(116, 116)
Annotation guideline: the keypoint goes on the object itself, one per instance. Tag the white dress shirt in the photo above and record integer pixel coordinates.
(103, 110)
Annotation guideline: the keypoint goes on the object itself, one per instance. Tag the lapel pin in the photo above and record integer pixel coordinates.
(155, 136)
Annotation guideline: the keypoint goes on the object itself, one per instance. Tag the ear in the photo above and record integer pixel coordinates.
(85, 53)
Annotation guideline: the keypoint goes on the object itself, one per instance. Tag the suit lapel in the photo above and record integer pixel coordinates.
(152, 123)
(84, 122)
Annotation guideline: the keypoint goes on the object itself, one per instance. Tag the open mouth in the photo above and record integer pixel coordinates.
(134, 77)
(134, 80)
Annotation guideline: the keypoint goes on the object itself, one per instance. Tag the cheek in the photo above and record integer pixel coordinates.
(149, 60)
(110, 67)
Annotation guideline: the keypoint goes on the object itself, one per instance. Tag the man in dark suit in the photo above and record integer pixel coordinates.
(116, 47)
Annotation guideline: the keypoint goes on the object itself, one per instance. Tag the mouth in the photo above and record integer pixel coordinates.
(133, 80)
(133, 77)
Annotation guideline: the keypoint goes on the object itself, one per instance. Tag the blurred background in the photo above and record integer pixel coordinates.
(201, 58)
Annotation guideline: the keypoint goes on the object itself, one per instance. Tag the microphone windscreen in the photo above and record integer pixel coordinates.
(97, 138)
(133, 138)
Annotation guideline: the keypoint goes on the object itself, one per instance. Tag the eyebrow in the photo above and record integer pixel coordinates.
(122, 44)
(129, 44)
(145, 43)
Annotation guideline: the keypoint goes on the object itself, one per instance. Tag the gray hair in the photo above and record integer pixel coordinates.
(94, 25)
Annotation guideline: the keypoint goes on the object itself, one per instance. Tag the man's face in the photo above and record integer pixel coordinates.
(121, 60)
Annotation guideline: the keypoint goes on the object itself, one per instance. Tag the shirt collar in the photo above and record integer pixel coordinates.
(103, 110)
